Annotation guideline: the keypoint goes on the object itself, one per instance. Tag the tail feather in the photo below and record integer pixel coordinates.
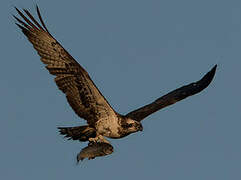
(81, 133)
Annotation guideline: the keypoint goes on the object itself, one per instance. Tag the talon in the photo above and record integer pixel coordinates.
(93, 140)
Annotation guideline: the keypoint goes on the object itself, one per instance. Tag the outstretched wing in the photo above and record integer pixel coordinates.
(173, 97)
(81, 93)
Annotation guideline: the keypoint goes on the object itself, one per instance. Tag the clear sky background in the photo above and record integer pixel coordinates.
(135, 51)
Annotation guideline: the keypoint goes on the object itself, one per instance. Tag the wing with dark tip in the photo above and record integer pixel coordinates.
(81, 93)
(173, 97)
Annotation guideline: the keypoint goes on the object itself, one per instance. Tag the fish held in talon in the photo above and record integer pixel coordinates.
(94, 150)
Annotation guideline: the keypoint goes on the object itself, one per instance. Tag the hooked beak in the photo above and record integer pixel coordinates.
(140, 127)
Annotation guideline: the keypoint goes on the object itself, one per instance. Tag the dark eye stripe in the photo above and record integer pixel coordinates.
(127, 125)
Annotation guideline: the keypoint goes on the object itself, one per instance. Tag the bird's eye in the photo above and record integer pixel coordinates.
(129, 125)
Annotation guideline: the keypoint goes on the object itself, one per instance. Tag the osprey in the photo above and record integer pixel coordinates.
(85, 98)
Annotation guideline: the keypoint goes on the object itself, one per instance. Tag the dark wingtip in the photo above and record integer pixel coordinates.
(207, 79)
(41, 20)
(19, 12)
(211, 73)
(15, 17)
(16, 8)
(36, 5)
(214, 68)
(21, 27)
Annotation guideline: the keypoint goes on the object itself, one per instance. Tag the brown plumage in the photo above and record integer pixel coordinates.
(71, 78)
(85, 98)
(173, 97)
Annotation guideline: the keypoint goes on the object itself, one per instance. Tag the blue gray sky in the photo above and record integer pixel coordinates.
(135, 51)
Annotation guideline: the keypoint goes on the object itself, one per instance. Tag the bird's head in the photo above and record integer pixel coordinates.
(130, 126)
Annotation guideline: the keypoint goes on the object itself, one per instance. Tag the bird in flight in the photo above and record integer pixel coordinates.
(85, 98)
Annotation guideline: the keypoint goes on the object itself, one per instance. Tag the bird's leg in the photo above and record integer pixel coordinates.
(102, 139)
(93, 140)
(98, 138)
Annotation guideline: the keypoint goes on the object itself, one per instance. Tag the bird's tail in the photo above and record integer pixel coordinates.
(81, 133)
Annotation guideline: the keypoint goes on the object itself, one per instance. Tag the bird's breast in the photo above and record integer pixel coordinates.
(108, 127)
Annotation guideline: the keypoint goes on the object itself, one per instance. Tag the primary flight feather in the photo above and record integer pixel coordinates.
(85, 98)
